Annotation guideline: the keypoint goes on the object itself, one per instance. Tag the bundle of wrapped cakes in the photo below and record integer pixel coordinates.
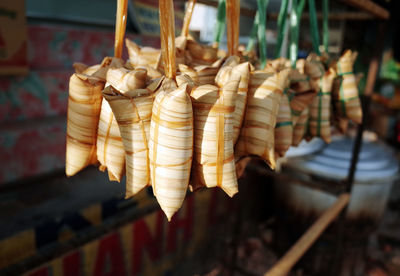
(179, 117)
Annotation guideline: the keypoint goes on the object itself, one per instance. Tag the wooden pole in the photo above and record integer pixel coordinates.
(285, 264)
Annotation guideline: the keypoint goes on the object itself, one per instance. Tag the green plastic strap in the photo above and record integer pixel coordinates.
(221, 17)
(295, 17)
(314, 26)
(294, 34)
(281, 27)
(325, 25)
(262, 15)
(341, 73)
(282, 124)
(253, 34)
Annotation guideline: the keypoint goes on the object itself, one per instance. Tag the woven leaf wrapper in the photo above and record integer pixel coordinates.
(202, 74)
(300, 128)
(320, 108)
(84, 102)
(143, 56)
(257, 134)
(340, 122)
(223, 76)
(197, 54)
(214, 164)
(171, 144)
(132, 110)
(284, 127)
(110, 149)
(349, 104)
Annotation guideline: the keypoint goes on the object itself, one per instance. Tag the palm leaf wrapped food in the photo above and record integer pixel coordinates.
(284, 126)
(110, 149)
(257, 133)
(132, 110)
(224, 74)
(171, 127)
(301, 94)
(320, 108)
(84, 103)
(300, 129)
(214, 164)
(348, 104)
(202, 74)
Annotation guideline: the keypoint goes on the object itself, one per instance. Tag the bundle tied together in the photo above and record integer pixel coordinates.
(349, 105)
(257, 133)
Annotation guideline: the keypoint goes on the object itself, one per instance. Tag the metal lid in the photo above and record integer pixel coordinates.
(376, 161)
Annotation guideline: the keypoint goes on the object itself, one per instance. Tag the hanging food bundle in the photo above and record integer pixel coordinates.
(257, 133)
(84, 103)
(179, 117)
(348, 103)
(320, 110)
(284, 127)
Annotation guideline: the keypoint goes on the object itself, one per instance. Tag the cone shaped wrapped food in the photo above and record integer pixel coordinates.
(223, 76)
(214, 164)
(314, 68)
(340, 122)
(171, 145)
(284, 127)
(171, 127)
(257, 134)
(349, 104)
(110, 149)
(84, 102)
(300, 129)
(202, 74)
(132, 110)
(320, 108)
(301, 94)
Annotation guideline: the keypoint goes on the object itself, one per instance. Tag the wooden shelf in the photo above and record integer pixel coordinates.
(370, 7)
(368, 11)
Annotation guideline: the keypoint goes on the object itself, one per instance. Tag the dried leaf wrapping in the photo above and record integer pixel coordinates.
(171, 144)
(284, 127)
(84, 102)
(257, 134)
(320, 108)
(143, 56)
(214, 164)
(202, 74)
(300, 129)
(132, 110)
(110, 149)
(348, 104)
(197, 54)
(301, 94)
(241, 98)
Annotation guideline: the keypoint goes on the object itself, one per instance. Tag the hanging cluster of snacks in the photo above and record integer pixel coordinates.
(178, 118)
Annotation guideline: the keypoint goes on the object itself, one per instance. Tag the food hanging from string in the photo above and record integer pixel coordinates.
(180, 117)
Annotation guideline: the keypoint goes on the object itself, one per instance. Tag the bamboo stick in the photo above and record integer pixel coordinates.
(284, 265)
